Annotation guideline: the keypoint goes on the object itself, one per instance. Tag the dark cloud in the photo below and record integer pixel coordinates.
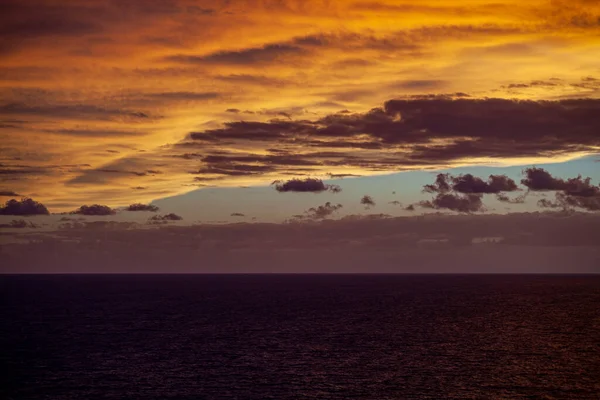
(19, 223)
(163, 219)
(8, 193)
(252, 80)
(341, 176)
(531, 84)
(142, 207)
(322, 212)
(466, 203)
(410, 207)
(435, 131)
(305, 185)
(367, 201)
(422, 84)
(118, 171)
(237, 215)
(395, 203)
(25, 206)
(76, 112)
(96, 133)
(440, 185)
(468, 183)
(570, 193)
(230, 169)
(517, 200)
(233, 110)
(185, 95)
(253, 56)
(94, 209)
(464, 193)
(538, 179)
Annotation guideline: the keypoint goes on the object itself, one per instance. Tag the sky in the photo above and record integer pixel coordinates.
(161, 118)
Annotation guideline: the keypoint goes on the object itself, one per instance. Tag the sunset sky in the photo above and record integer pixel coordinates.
(283, 111)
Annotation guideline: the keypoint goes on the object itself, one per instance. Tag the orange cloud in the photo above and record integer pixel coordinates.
(96, 94)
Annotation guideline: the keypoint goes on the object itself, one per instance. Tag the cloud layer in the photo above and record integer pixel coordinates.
(166, 95)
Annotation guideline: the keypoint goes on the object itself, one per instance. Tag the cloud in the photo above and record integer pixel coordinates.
(142, 207)
(236, 214)
(185, 96)
(8, 193)
(517, 200)
(19, 224)
(266, 54)
(572, 192)
(305, 185)
(94, 209)
(322, 212)
(341, 176)
(438, 131)
(538, 179)
(467, 203)
(367, 201)
(163, 219)
(74, 112)
(468, 183)
(25, 206)
(526, 242)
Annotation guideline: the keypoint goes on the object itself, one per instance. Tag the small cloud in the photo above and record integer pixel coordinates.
(305, 185)
(25, 206)
(237, 215)
(163, 219)
(142, 207)
(395, 203)
(367, 201)
(94, 209)
(323, 211)
(8, 193)
(341, 176)
(233, 110)
(517, 200)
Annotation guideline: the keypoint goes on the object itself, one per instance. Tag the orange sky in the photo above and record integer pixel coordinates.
(97, 97)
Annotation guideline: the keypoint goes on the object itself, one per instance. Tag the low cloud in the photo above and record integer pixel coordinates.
(468, 183)
(163, 219)
(570, 193)
(312, 185)
(8, 193)
(322, 212)
(367, 201)
(466, 203)
(95, 210)
(19, 224)
(142, 207)
(501, 197)
(24, 206)
(526, 242)
(538, 179)
(237, 214)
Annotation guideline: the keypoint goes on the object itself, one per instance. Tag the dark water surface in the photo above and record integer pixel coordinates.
(300, 337)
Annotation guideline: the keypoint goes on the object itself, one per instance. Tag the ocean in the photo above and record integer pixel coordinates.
(300, 337)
